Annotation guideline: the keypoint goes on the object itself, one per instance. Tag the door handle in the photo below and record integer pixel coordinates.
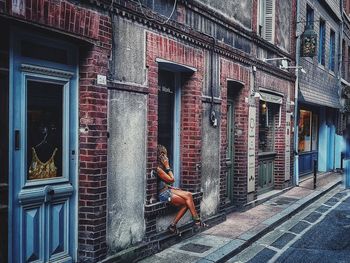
(17, 140)
(51, 192)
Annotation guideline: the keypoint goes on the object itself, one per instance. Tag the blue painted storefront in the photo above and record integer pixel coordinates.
(329, 149)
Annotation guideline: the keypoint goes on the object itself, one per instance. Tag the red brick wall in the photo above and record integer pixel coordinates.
(191, 107)
(93, 156)
(65, 16)
(92, 196)
(236, 72)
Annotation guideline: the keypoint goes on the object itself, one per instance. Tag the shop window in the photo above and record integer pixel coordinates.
(268, 113)
(169, 99)
(322, 40)
(308, 131)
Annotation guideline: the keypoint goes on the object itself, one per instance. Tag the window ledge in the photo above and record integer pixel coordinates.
(331, 72)
(267, 154)
(308, 152)
(162, 207)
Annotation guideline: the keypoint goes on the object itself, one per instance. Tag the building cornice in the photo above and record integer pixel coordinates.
(131, 11)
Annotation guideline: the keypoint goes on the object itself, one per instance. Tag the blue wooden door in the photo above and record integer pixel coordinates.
(43, 143)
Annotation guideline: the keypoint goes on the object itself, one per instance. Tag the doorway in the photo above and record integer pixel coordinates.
(4, 85)
(43, 132)
(234, 93)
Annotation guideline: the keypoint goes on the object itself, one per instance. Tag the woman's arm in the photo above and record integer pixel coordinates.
(166, 177)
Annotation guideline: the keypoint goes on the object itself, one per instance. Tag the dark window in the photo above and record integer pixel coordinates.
(343, 60)
(267, 119)
(321, 48)
(309, 17)
(166, 97)
(332, 50)
(347, 63)
(42, 52)
(44, 129)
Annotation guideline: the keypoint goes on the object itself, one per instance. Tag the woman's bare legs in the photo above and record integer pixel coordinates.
(187, 196)
(179, 201)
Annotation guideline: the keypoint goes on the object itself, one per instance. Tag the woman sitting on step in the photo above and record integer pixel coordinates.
(176, 196)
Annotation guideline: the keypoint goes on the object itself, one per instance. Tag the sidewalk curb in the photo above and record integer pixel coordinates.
(237, 245)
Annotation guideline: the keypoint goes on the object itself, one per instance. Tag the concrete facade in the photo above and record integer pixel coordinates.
(217, 54)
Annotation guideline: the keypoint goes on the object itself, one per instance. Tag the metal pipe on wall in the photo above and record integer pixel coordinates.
(296, 139)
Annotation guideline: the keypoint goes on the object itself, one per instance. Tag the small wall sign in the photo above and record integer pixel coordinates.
(101, 80)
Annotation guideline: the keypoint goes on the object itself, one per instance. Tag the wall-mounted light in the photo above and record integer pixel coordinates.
(271, 59)
(296, 68)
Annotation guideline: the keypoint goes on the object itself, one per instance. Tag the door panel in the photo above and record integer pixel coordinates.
(32, 226)
(43, 160)
(58, 228)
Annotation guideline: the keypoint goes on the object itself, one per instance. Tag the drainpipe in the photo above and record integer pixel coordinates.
(296, 139)
(340, 68)
(212, 116)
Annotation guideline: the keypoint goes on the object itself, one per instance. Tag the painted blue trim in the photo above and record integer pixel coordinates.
(331, 148)
(17, 100)
(10, 147)
(339, 148)
(177, 127)
(322, 141)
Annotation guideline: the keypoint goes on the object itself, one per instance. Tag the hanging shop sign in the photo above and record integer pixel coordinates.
(308, 43)
(345, 99)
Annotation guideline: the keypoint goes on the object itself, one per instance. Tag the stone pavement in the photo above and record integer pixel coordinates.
(223, 241)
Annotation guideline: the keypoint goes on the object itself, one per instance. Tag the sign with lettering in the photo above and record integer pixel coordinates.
(287, 147)
(251, 149)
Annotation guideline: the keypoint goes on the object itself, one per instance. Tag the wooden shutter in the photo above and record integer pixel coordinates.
(269, 20)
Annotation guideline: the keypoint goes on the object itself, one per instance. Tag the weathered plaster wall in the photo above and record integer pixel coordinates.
(283, 24)
(208, 75)
(210, 164)
(240, 11)
(129, 52)
(163, 7)
(126, 169)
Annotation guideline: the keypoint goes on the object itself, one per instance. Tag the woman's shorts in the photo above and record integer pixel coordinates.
(165, 196)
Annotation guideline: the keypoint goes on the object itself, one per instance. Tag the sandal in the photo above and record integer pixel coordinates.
(199, 223)
(173, 229)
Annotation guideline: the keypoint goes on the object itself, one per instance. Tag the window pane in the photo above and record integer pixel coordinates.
(309, 17)
(267, 115)
(44, 130)
(321, 49)
(332, 50)
(166, 93)
(305, 131)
